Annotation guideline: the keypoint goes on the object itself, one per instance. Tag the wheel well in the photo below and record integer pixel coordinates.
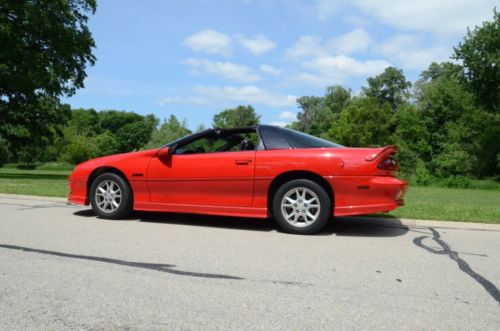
(102, 170)
(291, 175)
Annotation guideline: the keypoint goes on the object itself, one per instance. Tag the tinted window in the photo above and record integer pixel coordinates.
(214, 142)
(281, 138)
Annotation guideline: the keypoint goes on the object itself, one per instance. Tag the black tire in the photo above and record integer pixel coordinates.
(322, 215)
(125, 202)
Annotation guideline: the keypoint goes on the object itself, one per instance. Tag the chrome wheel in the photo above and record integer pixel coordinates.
(108, 196)
(300, 207)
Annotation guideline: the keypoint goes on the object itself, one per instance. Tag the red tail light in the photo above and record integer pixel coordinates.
(388, 164)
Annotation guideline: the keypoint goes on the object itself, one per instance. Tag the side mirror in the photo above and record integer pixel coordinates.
(164, 153)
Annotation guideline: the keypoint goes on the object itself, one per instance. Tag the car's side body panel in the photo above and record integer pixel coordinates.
(215, 179)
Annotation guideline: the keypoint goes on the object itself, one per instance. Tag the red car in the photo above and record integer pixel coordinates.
(261, 171)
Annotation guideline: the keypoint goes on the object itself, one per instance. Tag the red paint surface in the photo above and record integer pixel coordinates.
(238, 183)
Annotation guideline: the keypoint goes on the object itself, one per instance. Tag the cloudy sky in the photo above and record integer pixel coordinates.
(195, 58)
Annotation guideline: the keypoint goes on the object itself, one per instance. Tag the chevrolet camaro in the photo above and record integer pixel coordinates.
(263, 171)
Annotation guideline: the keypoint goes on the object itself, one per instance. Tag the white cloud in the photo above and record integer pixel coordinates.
(288, 115)
(257, 45)
(270, 70)
(181, 100)
(407, 51)
(227, 70)
(327, 70)
(229, 95)
(355, 41)
(210, 41)
(326, 8)
(278, 123)
(305, 46)
(246, 94)
(438, 16)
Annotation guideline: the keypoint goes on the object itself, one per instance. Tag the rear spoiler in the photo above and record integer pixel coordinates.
(391, 149)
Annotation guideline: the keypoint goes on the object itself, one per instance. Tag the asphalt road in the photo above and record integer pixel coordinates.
(61, 267)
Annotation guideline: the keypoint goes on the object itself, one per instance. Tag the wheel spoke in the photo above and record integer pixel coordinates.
(300, 206)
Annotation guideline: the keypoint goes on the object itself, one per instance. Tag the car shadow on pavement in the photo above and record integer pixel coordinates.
(343, 226)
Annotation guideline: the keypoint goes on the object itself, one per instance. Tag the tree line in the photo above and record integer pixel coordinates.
(447, 123)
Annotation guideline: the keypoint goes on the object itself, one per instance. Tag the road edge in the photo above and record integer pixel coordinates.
(383, 220)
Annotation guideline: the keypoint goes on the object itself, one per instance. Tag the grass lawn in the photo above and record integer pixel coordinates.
(47, 183)
(431, 203)
(451, 204)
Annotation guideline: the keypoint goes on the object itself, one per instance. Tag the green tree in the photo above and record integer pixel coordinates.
(336, 98)
(363, 122)
(390, 86)
(457, 128)
(45, 48)
(236, 117)
(480, 55)
(412, 138)
(315, 118)
(106, 144)
(170, 130)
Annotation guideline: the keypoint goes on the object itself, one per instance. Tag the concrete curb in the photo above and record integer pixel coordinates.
(32, 197)
(382, 221)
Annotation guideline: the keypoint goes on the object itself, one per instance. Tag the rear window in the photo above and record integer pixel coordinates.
(281, 138)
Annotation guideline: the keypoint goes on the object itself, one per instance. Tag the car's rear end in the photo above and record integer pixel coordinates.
(366, 182)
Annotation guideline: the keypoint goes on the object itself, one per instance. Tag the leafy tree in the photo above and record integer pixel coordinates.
(170, 130)
(131, 131)
(236, 117)
(315, 118)
(390, 86)
(79, 149)
(133, 136)
(336, 98)
(84, 121)
(411, 137)
(46, 46)
(480, 55)
(4, 151)
(457, 128)
(106, 144)
(114, 120)
(29, 139)
(363, 122)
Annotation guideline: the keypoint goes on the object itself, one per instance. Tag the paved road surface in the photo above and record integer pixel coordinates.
(61, 267)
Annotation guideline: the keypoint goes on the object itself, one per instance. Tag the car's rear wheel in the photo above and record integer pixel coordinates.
(110, 196)
(301, 206)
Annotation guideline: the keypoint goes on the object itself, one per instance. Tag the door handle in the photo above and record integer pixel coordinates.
(242, 162)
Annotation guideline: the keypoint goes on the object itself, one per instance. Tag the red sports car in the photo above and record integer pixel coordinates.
(261, 171)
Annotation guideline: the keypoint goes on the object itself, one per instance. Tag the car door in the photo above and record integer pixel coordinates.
(223, 178)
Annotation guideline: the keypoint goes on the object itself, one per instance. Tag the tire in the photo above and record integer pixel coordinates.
(294, 214)
(112, 203)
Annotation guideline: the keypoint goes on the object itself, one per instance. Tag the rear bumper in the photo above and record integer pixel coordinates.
(358, 195)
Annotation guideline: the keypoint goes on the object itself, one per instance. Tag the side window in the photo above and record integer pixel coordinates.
(215, 143)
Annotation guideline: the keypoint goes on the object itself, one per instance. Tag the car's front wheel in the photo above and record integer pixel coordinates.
(110, 196)
(301, 206)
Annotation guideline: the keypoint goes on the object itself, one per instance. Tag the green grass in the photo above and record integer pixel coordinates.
(47, 183)
(450, 204)
(430, 203)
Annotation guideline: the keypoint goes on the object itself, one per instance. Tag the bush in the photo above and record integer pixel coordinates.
(422, 175)
(78, 151)
(456, 182)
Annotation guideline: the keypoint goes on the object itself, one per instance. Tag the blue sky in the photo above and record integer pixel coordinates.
(196, 58)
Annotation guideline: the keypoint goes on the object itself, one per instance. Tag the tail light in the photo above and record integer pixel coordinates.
(388, 164)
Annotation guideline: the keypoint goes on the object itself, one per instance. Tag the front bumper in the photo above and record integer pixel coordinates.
(77, 190)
